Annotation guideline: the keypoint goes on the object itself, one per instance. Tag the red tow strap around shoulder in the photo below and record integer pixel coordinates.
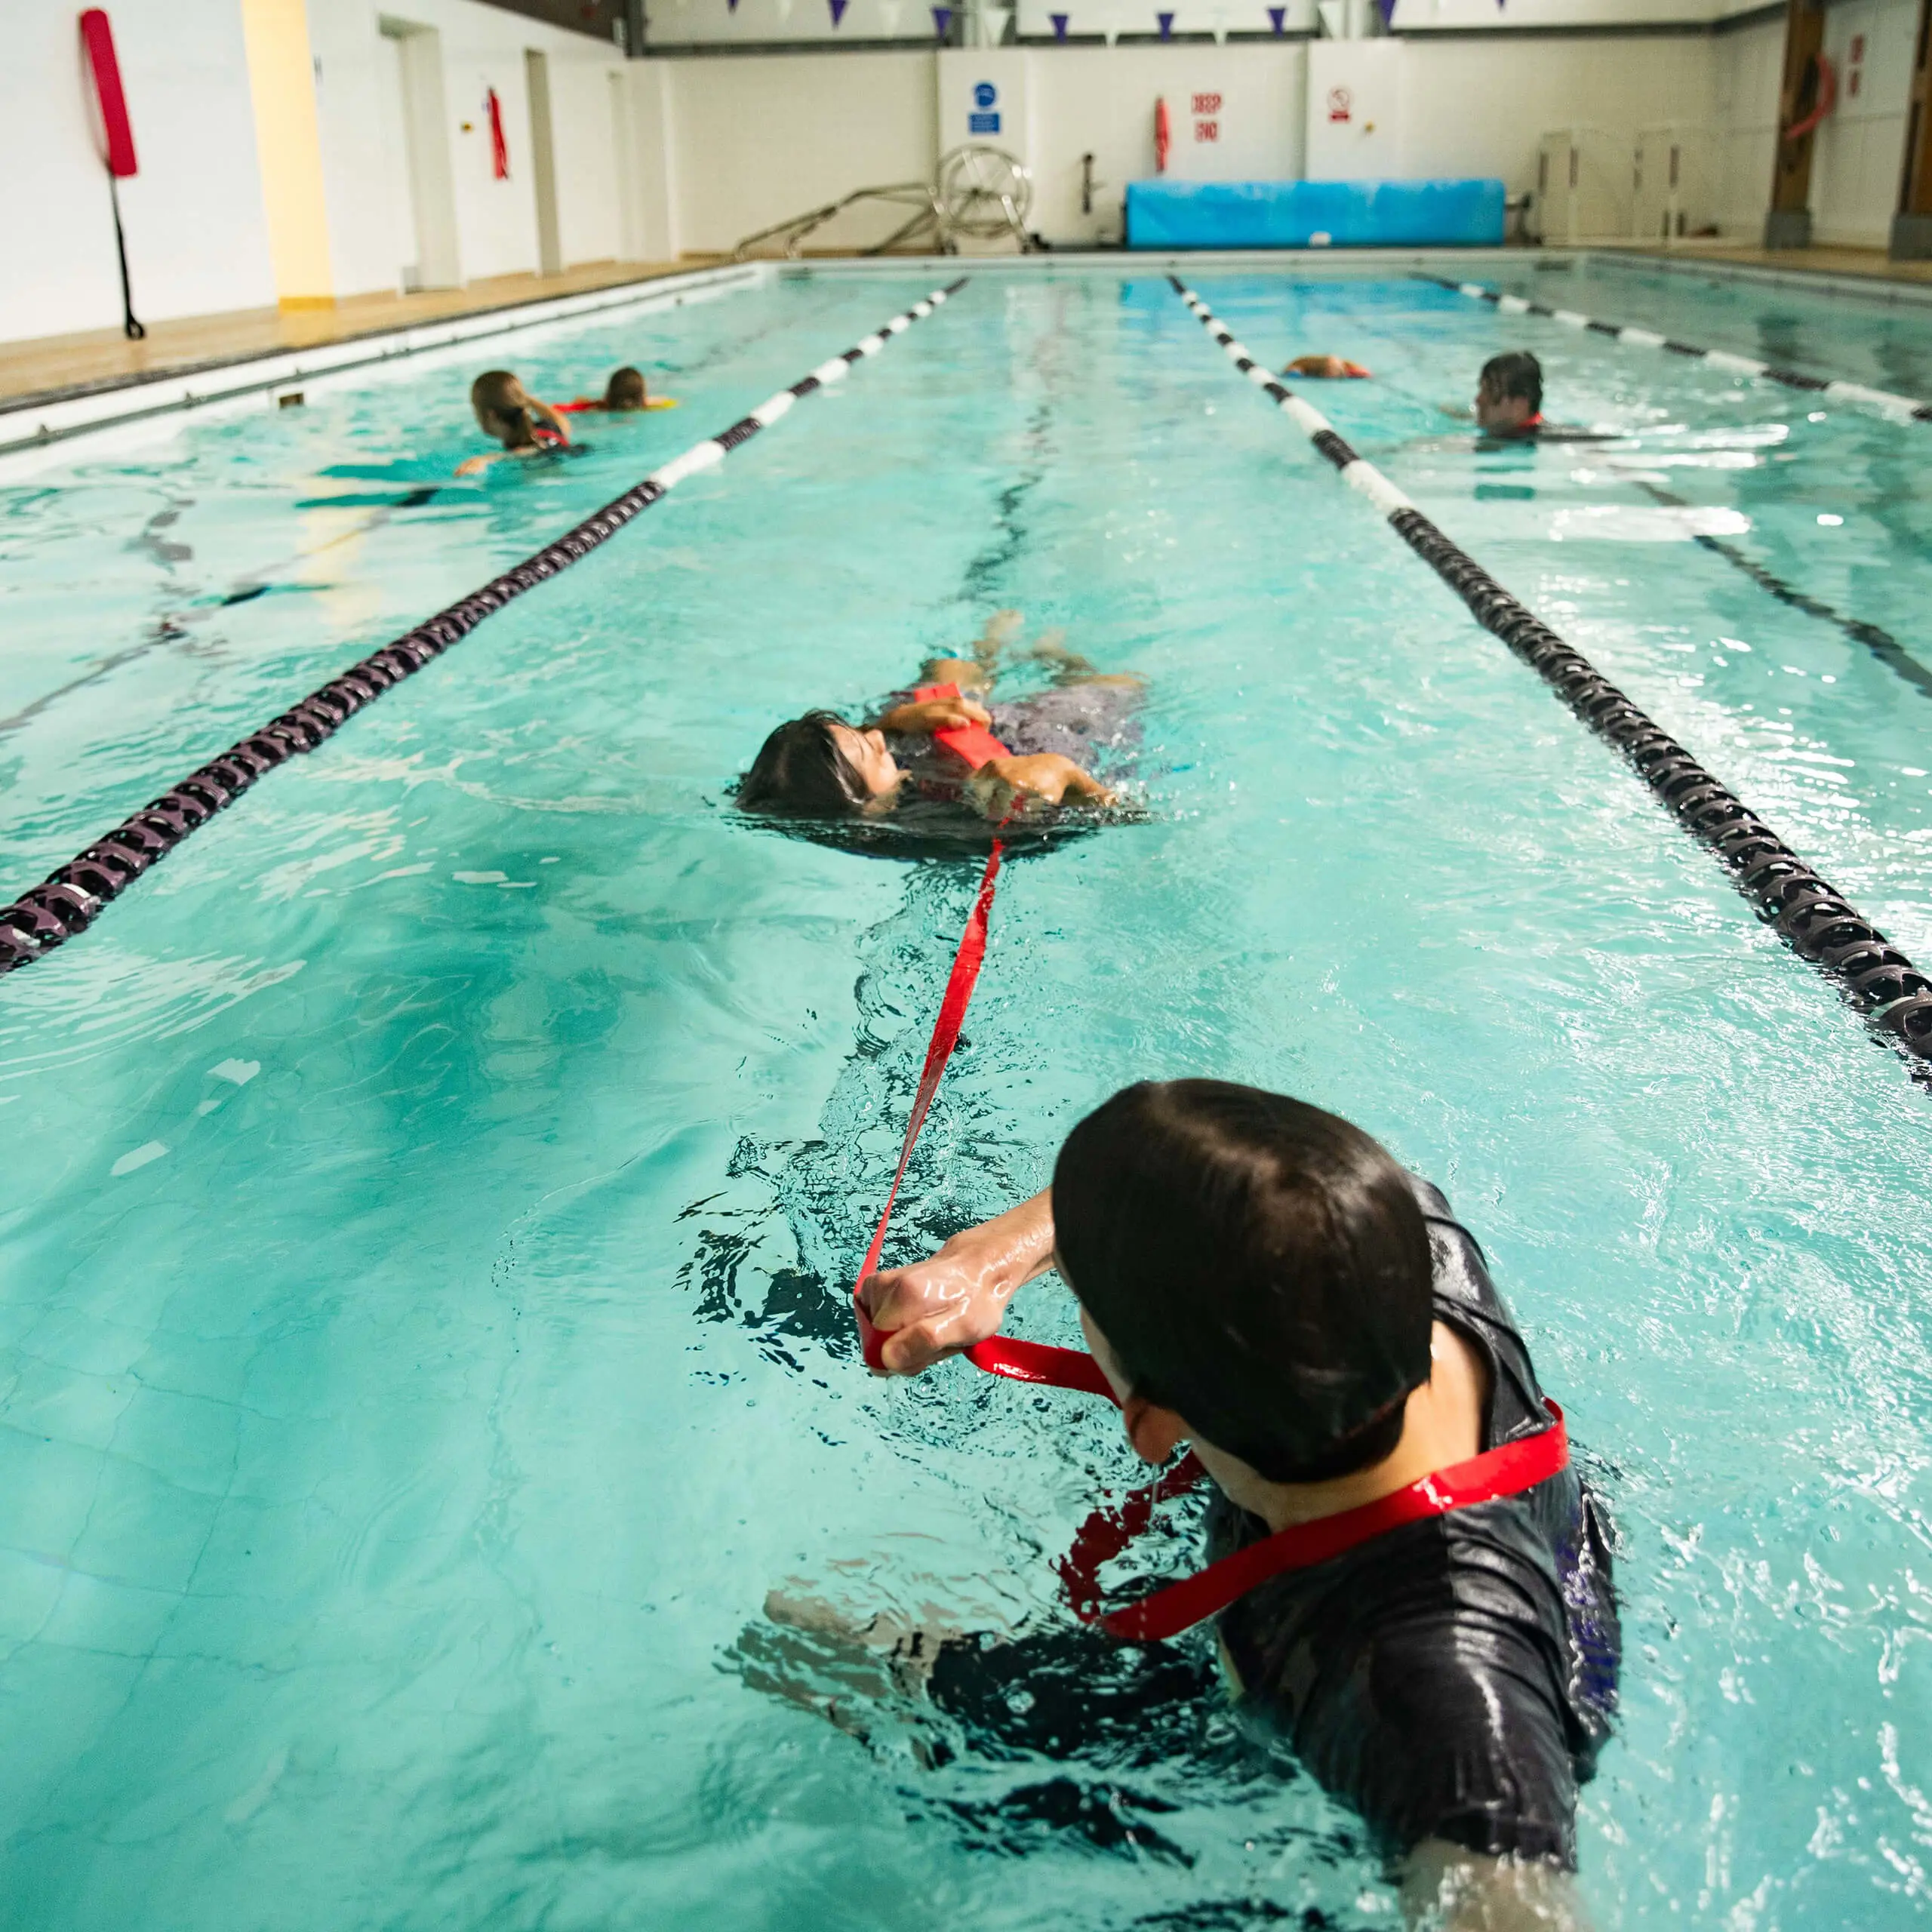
(1507, 1470)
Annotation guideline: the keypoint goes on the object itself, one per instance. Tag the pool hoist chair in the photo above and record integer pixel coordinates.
(977, 193)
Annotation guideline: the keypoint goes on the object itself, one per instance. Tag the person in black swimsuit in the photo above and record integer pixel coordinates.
(1263, 1279)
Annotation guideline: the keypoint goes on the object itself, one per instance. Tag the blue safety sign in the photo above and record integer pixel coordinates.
(985, 94)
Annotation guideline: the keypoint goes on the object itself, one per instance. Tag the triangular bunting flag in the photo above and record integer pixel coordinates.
(1277, 18)
(1060, 21)
(942, 22)
(1167, 21)
(1388, 11)
(839, 10)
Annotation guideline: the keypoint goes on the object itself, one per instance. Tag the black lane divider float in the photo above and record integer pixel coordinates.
(1879, 642)
(1894, 407)
(69, 899)
(1815, 919)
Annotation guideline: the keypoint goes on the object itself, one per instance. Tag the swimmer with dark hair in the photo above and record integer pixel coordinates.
(1509, 395)
(823, 766)
(1332, 368)
(625, 394)
(507, 411)
(1263, 1279)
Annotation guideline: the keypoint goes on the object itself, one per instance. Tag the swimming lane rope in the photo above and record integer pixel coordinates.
(1808, 912)
(1881, 400)
(69, 900)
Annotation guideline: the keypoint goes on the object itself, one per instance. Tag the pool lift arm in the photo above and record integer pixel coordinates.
(977, 191)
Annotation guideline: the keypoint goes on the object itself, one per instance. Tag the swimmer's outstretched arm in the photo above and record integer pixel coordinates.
(1446, 1889)
(939, 1307)
(931, 714)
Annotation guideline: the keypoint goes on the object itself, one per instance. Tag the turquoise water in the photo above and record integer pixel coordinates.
(433, 1192)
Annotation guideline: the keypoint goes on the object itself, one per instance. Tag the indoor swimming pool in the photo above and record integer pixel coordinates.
(433, 1194)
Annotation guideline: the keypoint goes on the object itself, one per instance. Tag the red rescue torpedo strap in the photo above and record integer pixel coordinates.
(1508, 1469)
(1024, 1361)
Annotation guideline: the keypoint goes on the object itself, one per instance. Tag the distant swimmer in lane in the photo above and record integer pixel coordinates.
(1508, 408)
(624, 394)
(1327, 368)
(894, 768)
(508, 412)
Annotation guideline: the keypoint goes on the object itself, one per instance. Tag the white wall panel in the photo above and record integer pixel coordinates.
(1859, 151)
(197, 231)
(481, 47)
(758, 138)
(1100, 100)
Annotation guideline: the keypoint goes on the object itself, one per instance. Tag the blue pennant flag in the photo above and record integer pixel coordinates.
(942, 20)
(1277, 18)
(839, 10)
(1060, 21)
(1167, 21)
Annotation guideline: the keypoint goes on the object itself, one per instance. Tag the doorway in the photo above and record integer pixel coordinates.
(425, 205)
(544, 166)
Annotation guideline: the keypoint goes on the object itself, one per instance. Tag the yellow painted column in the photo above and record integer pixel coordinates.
(281, 80)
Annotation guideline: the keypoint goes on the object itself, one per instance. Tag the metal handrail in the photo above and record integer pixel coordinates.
(918, 195)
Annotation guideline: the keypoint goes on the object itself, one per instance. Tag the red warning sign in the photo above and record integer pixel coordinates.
(1341, 103)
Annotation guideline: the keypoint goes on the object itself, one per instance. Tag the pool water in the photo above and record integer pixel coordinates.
(433, 1193)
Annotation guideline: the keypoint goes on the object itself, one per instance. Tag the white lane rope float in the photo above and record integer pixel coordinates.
(69, 899)
(1811, 915)
(1896, 408)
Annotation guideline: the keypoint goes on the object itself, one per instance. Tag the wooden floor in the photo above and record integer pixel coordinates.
(1869, 264)
(104, 358)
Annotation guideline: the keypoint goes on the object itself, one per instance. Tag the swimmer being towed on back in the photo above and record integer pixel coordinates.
(820, 766)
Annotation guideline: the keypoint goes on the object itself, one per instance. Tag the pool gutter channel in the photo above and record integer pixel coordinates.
(72, 897)
(1807, 912)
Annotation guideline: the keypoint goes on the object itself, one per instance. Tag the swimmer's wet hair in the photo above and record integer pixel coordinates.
(494, 395)
(801, 773)
(1517, 373)
(1259, 1266)
(625, 390)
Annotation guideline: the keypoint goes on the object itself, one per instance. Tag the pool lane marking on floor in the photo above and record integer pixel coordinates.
(1879, 642)
(68, 900)
(1893, 407)
(1808, 913)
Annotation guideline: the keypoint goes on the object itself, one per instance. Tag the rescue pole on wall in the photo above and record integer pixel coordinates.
(1163, 135)
(117, 140)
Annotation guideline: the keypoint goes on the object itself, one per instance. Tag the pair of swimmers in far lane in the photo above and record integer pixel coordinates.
(1509, 400)
(508, 413)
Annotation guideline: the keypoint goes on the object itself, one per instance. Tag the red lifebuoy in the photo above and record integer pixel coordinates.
(1828, 98)
(117, 133)
(1163, 135)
